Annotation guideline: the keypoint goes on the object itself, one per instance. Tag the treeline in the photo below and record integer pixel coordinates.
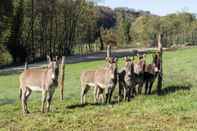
(32, 29)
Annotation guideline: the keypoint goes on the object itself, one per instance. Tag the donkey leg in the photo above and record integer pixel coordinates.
(96, 94)
(133, 87)
(119, 92)
(150, 87)
(44, 95)
(85, 92)
(23, 101)
(27, 94)
(82, 94)
(110, 93)
(125, 93)
(102, 97)
(107, 95)
(140, 87)
(49, 98)
(129, 94)
(134, 90)
(146, 87)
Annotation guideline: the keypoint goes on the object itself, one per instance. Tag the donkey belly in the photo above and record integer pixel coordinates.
(91, 84)
(35, 88)
(148, 76)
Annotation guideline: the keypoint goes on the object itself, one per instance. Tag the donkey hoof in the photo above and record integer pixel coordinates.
(25, 112)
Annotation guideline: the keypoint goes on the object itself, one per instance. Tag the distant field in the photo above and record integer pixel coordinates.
(175, 109)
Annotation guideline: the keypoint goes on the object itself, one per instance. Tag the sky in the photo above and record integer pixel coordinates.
(158, 7)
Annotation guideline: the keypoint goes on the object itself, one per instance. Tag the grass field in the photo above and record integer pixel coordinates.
(175, 109)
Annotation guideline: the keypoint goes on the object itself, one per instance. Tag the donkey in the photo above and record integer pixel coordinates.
(139, 69)
(43, 80)
(100, 79)
(151, 72)
(126, 79)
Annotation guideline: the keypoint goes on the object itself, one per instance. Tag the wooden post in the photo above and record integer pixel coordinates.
(160, 76)
(108, 51)
(61, 78)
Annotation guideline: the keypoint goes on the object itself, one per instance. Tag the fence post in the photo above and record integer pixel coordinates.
(61, 78)
(160, 76)
(108, 51)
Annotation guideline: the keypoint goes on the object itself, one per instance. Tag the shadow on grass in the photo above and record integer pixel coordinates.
(6, 101)
(78, 105)
(173, 89)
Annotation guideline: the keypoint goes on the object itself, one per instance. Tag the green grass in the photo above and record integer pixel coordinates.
(176, 109)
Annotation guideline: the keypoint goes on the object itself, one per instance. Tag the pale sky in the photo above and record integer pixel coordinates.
(159, 7)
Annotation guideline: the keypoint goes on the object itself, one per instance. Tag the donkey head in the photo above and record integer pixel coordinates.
(156, 62)
(53, 68)
(128, 67)
(112, 67)
(129, 70)
(139, 68)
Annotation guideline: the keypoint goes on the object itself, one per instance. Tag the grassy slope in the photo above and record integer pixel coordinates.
(176, 109)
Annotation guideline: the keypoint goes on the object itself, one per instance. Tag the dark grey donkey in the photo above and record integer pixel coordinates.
(43, 80)
(151, 72)
(126, 80)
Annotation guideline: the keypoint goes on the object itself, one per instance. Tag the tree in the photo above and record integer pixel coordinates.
(6, 13)
(14, 44)
(145, 29)
(105, 20)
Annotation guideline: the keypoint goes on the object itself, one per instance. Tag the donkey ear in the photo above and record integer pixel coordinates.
(48, 58)
(63, 60)
(133, 58)
(109, 59)
(56, 58)
(115, 59)
(158, 54)
(153, 56)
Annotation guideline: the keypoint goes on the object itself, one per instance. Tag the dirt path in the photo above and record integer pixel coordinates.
(78, 58)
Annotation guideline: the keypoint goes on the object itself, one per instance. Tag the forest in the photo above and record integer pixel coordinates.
(32, 29)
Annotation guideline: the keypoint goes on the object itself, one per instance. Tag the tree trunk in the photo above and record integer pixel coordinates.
(108, 51)
(101, 40)
(32, 30)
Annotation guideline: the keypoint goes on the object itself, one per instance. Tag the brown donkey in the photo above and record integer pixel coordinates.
(43, 80)
(139, 69)
(102, 80)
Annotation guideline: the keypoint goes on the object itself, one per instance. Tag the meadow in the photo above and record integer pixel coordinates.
(174, 109)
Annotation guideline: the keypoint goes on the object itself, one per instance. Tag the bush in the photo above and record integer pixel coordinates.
(5, 58)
